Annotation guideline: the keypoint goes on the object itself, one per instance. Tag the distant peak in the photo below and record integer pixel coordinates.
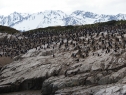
(14, 13)
(78, 11)
(120, 14)
(52, 11)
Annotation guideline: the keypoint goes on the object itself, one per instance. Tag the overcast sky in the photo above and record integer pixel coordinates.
(67, 6)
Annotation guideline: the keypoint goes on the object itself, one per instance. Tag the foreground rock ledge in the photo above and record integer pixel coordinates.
(102, 75)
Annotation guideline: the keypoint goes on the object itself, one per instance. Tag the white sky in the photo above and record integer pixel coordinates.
(67, 6)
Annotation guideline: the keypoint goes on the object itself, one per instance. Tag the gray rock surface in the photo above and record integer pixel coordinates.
(101, 75)
(98, 73)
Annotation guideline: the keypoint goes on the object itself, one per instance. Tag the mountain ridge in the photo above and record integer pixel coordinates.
(26, 21)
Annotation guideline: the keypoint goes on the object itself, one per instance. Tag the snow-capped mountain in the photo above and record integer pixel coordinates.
(25, 21)
(11, 19)
(41, 19)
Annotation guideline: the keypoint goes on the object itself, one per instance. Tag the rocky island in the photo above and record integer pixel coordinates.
(71, 60)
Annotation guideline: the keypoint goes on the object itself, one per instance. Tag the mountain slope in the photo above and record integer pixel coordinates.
(9, 30)
(24, 21)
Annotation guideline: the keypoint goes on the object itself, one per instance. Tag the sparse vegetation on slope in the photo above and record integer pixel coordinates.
(63, 28)
(9, 30)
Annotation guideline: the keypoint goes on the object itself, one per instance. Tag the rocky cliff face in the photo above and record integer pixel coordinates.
(75, 69)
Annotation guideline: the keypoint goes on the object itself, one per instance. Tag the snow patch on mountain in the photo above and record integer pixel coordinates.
(1, 17)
